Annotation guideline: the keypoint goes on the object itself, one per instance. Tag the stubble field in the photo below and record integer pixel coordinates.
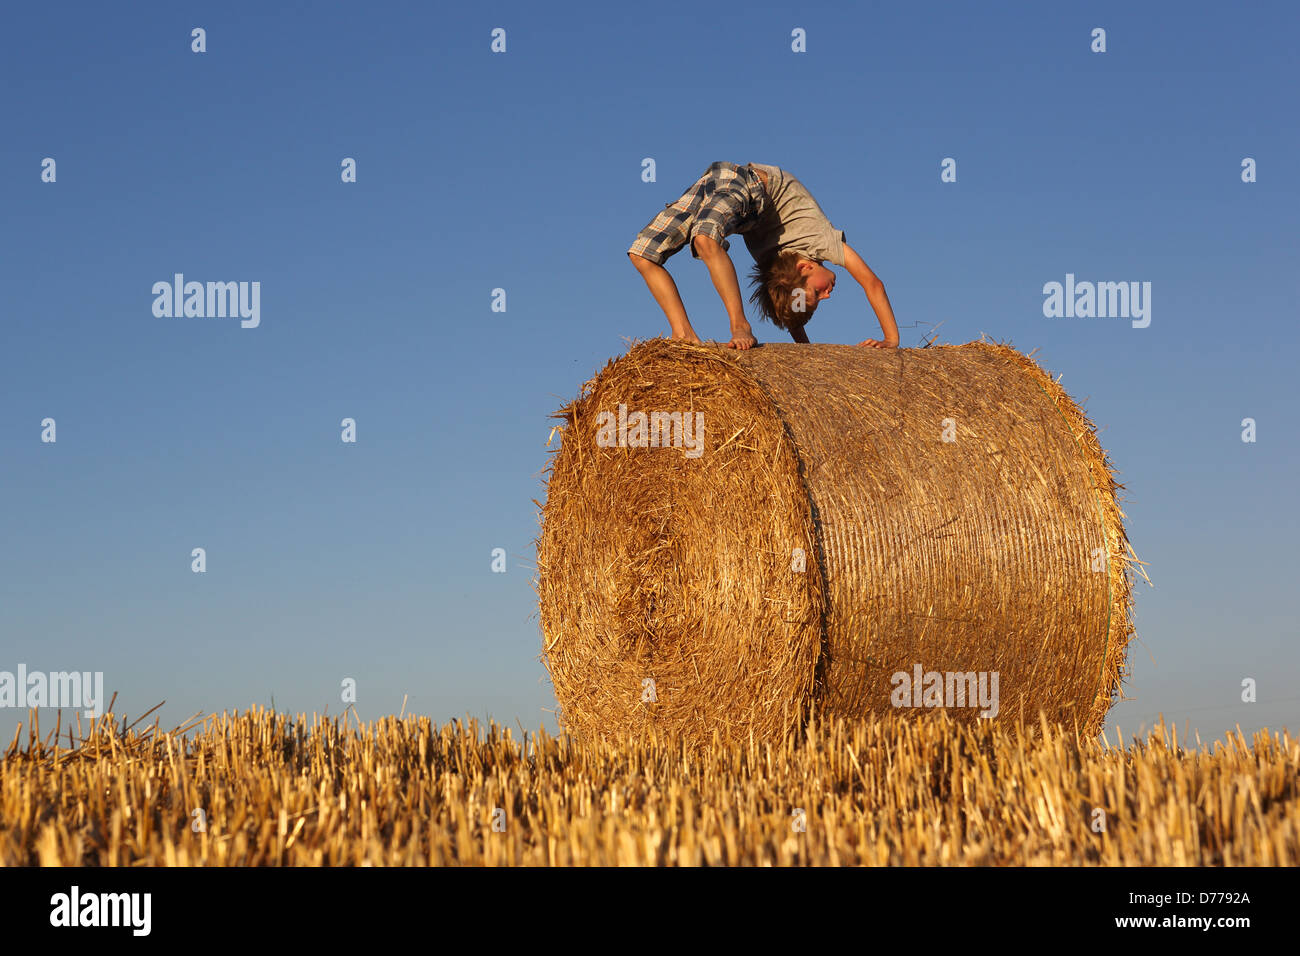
(267, 789)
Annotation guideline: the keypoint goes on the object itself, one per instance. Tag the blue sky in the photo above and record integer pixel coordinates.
(522, 171)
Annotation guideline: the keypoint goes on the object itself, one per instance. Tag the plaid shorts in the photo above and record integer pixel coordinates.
(727, 199)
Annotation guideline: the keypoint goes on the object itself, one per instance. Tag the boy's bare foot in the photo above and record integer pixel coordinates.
(687, 337)
(742, 339)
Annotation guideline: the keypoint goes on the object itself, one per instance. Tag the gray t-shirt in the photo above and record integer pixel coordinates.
(794, 222)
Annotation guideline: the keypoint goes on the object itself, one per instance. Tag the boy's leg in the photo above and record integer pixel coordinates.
(723, 273)
(717, 204)
(664, 289)
(662, 237)
(731, 204)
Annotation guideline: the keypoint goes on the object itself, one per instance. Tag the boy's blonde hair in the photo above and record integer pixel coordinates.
(774, 283)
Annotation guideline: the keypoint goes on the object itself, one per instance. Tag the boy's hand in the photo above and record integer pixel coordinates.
(877, 344)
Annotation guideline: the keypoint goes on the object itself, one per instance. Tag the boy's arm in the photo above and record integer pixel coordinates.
(875, 290)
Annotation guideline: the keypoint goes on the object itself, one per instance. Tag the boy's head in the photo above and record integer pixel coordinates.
(788, 287)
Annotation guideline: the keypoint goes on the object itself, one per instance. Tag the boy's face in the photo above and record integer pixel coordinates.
(818, 280)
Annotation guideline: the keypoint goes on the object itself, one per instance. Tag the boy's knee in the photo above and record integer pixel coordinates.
(704, 245)
(641, 262)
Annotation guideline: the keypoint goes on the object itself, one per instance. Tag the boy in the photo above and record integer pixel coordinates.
(785, 231)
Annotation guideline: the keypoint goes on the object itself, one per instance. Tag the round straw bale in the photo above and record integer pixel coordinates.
(828, 525)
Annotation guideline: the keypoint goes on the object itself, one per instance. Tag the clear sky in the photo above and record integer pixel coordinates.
(522, 171)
